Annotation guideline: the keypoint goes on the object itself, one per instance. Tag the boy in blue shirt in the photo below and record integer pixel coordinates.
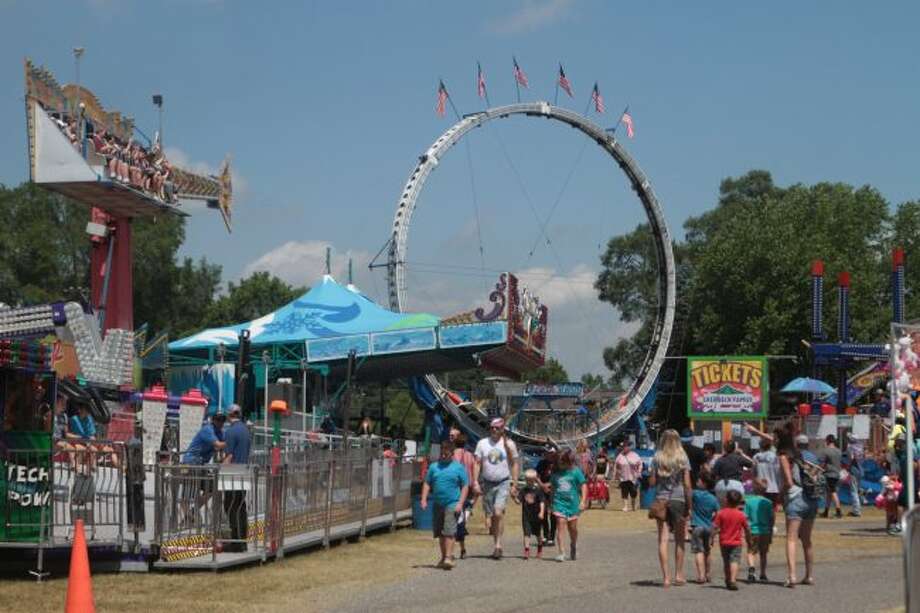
(705, 507)
(448, 486)
(759, 512)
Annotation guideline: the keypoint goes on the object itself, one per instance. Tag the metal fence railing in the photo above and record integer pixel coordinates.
(315, 493)
(203, 510)
(44, 492)
(911, 533)
(322, 490)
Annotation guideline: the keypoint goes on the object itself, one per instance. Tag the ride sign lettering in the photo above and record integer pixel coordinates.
(726, 387)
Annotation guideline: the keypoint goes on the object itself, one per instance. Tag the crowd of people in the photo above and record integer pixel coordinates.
(731, 500)
(129, 162)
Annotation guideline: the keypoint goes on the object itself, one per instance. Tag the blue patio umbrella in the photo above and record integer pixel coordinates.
(808, 385)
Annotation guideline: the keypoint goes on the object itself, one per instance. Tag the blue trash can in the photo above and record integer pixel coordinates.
(646, 494)
(422, 519)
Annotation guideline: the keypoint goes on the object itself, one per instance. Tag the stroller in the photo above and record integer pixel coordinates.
(599, 492)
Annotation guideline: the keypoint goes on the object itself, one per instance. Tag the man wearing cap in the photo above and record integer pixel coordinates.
(801, 442)
(233, 476)
(495, 475)
(206, 441)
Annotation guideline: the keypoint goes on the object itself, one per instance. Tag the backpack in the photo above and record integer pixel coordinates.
(813, 482)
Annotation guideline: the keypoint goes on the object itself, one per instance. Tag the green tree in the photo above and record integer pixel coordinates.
(167, 295)
(44, 251)
(743, 271)
(44, 257)
(592, 381)
(629, 281)
(255, 296)
(551, 372)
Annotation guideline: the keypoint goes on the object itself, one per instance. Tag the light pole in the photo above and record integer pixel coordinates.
(77, 54)
(221, 353)
(78, 119)
(158, 102)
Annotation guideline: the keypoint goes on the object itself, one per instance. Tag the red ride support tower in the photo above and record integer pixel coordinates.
(119, 303)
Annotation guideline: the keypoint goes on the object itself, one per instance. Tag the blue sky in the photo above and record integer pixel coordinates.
(326, 105)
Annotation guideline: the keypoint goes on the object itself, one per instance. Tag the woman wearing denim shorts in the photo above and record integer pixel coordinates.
(801, 509)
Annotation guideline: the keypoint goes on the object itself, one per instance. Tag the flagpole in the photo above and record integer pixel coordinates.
(590, 97)
(517, 84)
(613, 131)
(451, 100)
(485, 90)
(556, 97)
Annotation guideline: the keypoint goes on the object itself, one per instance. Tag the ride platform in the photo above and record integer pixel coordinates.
(67, 162)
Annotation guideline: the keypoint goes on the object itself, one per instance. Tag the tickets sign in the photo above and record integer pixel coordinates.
(727, 387)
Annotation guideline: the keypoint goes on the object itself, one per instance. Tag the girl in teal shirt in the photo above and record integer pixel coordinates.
(570, 491)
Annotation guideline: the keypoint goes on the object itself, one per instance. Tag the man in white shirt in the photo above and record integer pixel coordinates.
(495, 475)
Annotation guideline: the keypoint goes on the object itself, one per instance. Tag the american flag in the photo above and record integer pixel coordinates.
(564, 82)
(442, 99)
(519, 75)
(597, 99)
(628, 122)
(480, 82)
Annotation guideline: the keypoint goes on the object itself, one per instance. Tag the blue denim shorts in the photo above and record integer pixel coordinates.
(800, 507)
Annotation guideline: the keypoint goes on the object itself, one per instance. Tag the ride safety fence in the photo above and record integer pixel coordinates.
(221, 514)
(207, 516)
(45, 491)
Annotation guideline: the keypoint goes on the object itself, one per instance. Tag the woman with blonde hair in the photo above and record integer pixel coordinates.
(670, 474)
(584, 458)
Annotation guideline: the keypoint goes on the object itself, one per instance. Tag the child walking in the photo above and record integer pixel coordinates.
(705, 507)
(448, 486)
(570, 490)
(731, 525)
(759, 512)
(533, 509)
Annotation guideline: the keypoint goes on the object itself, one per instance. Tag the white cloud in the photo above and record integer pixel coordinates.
(304, 263)
(532, 15)
(576, 285)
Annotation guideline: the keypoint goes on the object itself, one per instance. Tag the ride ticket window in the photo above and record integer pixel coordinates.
(26, 400)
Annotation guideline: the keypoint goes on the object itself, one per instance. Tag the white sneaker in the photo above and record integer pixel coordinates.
(626, 509)
(560, 557)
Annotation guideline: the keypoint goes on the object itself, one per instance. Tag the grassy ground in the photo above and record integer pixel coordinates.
(302, 581)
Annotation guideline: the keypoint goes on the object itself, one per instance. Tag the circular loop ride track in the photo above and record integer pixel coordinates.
(470, 418)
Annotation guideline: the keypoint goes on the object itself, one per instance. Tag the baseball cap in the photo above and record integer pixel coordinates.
(686, 435)
(498, 422)
(801, 439)
(235, 410)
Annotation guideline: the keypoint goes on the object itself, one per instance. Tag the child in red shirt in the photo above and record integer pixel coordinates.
(732, 526)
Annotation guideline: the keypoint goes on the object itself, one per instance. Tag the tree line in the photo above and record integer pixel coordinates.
(45, 258)
(743, 276)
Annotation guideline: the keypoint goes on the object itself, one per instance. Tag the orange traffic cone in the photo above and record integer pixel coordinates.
(79, 585)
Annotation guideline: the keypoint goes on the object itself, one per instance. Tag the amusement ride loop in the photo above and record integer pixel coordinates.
(398, 245)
